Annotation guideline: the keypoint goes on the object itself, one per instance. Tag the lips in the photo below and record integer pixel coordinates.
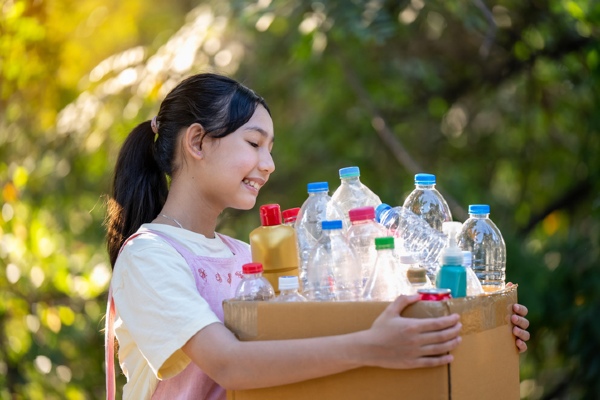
(253, 184)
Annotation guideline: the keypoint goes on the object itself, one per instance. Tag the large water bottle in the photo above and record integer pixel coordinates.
(388, 280)
(333, 270)
(352, 193)
(315, 209)
(427, 202)
(254, 286)
(483, 239)
(361, 235)
(414, 235)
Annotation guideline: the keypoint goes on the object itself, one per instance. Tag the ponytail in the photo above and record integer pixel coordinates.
(139, 189)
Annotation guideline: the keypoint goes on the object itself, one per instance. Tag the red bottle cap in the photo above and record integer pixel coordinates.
(362, 213)
(290, 215)
(252, 268)
(270, 214)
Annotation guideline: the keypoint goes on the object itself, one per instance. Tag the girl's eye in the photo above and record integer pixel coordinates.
(253, 144)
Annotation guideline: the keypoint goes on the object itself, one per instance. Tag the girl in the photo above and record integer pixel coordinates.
(171, 271)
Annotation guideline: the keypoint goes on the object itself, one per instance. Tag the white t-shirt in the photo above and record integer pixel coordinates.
(154, 291)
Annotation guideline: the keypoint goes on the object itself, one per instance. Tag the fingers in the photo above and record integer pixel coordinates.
(428, 362)
(401, 303)
(520, 309)
(521, 334)
(437, 324)
(521, 322)
(521, 345)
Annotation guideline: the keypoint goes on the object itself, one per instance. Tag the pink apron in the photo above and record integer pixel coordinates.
(216, 280)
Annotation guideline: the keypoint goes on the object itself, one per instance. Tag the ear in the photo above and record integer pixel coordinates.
(192, 140)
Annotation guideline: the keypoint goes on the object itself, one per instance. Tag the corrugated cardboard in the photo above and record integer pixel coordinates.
(485, 366)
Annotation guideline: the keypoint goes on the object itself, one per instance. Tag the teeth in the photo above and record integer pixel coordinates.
(251, 183)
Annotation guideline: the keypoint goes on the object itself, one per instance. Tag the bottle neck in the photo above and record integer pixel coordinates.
(479, 216)
(253, 276)
(425, 187)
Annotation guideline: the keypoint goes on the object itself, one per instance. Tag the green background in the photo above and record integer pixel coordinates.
(498, 99)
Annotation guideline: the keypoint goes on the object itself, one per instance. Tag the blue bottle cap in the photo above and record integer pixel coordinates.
(316, 187)
(380, 209)
(349, 172)
(479, 209)
(333, 224)
(424, 179)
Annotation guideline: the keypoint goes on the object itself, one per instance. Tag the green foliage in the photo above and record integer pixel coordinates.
(499, 101)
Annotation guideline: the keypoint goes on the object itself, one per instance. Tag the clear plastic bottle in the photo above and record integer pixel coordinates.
(288, 290)
(473, 285)
(254, 286)
(290, 215)
(427, 202)
(361, 235)
(274, 245)
(388, 280)
(333, 270)
(452, 274)
(483, 239)
(315, 209)
(352, 193)
(414, 236)
(417, 275)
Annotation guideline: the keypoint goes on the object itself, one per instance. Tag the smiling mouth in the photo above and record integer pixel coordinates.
(252, 184)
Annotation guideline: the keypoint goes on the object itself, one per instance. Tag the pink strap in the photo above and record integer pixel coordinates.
(109, 347)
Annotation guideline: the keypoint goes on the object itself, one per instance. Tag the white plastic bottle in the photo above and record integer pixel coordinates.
(473, 285)
(427, 202)
(333, 271)
(387, 280)
(315, 209)
(483, 239)
(254, 286)
(288, 290)
(361, 234)
(352, 193)
(414, 234)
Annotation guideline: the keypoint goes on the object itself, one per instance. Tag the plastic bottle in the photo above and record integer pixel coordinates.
(414, 235)
(288, 290)
(361, 236)
(315, 209)
(274, 245)
(417, 275)
(290, 215)
(387, 280)
(452, 274)
(254, 286)
(483, 239)
(333, 270)
(473, 285)
(352, 193)
(427, 202)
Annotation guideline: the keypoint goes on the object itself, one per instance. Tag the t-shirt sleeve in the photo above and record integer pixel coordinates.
(157, 300)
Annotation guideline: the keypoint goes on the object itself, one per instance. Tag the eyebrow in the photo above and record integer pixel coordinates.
(259, 130)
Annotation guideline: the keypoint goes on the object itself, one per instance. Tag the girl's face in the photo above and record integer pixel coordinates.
(235, 167)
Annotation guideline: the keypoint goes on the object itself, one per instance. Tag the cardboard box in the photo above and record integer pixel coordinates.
(485, 366)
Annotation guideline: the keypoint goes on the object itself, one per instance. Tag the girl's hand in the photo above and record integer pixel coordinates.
(397, 342)
(521, 324)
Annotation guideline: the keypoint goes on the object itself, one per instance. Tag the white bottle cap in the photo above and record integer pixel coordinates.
(288, 282)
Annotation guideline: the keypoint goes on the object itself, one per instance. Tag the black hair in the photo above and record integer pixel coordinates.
(140, 187)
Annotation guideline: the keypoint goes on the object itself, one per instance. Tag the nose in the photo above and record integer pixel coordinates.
(266, 162)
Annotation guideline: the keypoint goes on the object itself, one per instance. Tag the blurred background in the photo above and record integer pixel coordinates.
(498, 99)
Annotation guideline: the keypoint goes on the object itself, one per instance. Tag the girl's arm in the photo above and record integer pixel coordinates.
(391, 342)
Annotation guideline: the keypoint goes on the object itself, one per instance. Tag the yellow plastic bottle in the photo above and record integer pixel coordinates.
(275, 246)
